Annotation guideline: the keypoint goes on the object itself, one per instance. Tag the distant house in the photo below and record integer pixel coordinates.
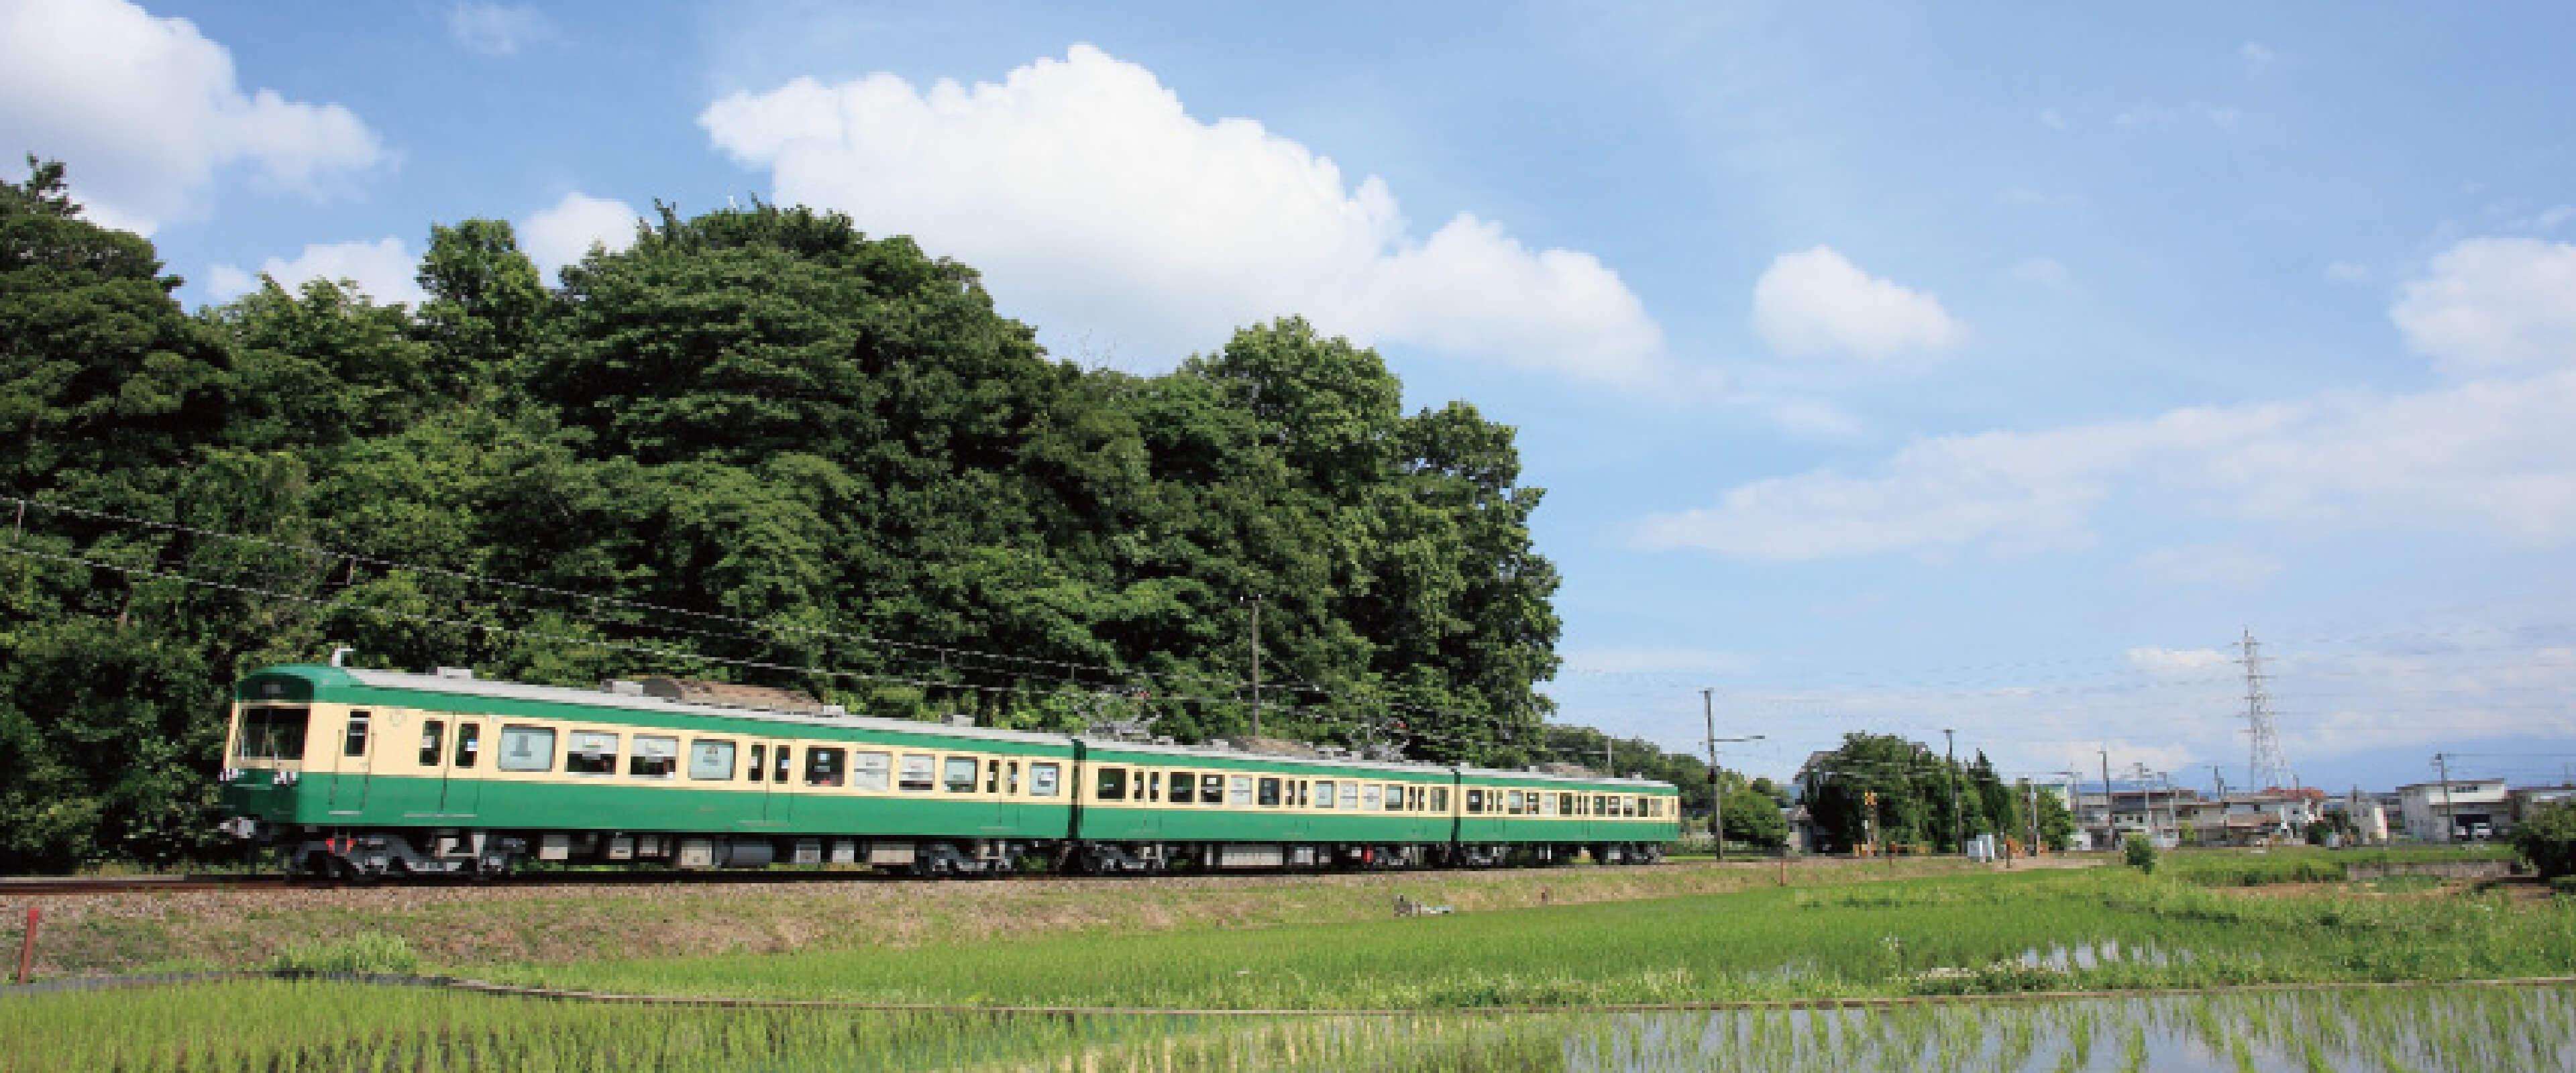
(2263, 818)
(2460, 810)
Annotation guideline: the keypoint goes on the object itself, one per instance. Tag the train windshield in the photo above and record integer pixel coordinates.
(271, 734)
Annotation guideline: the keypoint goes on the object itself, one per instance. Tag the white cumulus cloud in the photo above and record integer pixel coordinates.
(1818, 302)
(1094, 202)
(384, 269)
(563, 232)
(144, 111)
(2493, 303)
(2494, 455)
(2225, 565)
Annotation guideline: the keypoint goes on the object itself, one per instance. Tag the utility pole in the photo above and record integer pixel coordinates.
(2110, 829)
(2033, 816)
(1958, 824)
(2218, 780)
(1716, 789)
(2450, 812)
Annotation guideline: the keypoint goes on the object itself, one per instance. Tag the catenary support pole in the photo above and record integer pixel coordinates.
(1958, 823)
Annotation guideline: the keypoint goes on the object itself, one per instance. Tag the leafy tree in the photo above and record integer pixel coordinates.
(1754, 817)
(2547, 838)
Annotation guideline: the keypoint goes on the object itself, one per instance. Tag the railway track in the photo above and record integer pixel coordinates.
(101, 885)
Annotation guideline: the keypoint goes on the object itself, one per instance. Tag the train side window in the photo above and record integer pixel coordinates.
(272, 734)
(1372, 797)
(655, 757)
(993, 776)
(1414, 797)
(469, 744)
(711, 761)
(1184, 788)
(823, 767)
(1600, 805)
(1042, 779)
(1239, 790)
(1324, 794)
(1351, 795)
(961, 775)
(1440, 799)
(1547, 804)
(357, 739)
(432, 735)
(527, 749)
(1113, 784)
(1211, 789)
(1395, 799)
(592, 752)
(915, 774)
(1269, 794)
(759, 767)
(871, 771)
(781, 764)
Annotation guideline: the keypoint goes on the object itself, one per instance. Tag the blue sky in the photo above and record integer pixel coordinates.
(1890, 367)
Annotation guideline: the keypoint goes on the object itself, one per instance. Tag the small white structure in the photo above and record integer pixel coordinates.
(2461, 810)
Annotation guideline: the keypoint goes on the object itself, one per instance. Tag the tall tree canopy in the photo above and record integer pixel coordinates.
(757, 444)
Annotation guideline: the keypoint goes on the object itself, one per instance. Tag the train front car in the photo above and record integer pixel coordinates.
(1538, 817)
(355, 774)
(1146, 808)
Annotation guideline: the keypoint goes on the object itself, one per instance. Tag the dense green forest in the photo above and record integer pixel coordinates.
(756, 445)
(1896, 791)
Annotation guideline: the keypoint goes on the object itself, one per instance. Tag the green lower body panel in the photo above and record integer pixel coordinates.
(1216, 825)
(325, 800)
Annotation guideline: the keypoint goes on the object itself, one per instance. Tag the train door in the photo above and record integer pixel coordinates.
(352, 762)
(778, 802)
(460, 786)
(1002, 786)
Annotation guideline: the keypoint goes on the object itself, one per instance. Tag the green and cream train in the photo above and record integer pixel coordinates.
(359, 774)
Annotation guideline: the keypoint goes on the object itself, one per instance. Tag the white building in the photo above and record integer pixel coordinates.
(2456, 811)
(2267, 818)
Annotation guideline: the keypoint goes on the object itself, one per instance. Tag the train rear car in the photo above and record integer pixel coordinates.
(1149, 807)
(1542, 817)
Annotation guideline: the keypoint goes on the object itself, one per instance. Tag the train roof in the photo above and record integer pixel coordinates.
(1240, 756)
(326, 678)
(1525, 776)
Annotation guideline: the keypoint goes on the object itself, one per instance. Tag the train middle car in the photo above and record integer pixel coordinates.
(359, 773)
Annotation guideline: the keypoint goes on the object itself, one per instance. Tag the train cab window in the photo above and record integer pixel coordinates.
(1239, 790)
(992, 776)
(1042, 778)
(871, 771)
(759, 763)
(1324, 794)
(1372, 797)
(916, 774)
(826, 767)
(1113, 784)
(1269, 793)
(781, 763)
(655, 757)
(272, 734)
(960, 775)
(357, 740)
(433, 733)
(1211, 789)
(469, 744)
(527, 748)
(1440, 799)
(711, 761)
